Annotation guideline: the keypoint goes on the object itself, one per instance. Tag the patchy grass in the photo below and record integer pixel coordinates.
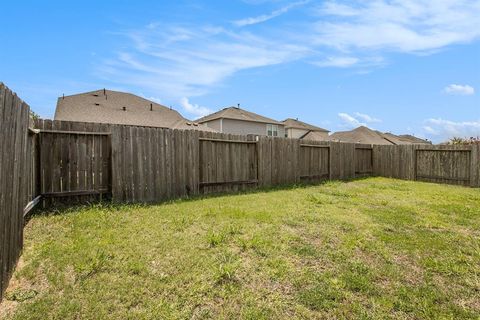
(372, 248)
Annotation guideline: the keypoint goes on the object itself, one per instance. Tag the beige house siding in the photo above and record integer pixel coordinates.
(299, 133)
(244, 127)
(295, 133)
(215, 124)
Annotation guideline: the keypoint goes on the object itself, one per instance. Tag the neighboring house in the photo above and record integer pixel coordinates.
(113, 107)
(297, 129)
(368, 136)
(413, 139)
(238, 121)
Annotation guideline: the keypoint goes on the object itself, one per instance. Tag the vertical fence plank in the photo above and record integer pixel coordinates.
(15, 179)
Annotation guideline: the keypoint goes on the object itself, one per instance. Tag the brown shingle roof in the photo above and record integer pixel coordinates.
(237, 114)
(368, 136)
(360, 135)
(413, 139)
(316, 136)
(107, 106)
(297, 124)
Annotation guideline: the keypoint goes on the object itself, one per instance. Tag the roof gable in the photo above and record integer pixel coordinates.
(108, 106)
(360, 135)
(368, 136)
(297, 124)
(237, 113)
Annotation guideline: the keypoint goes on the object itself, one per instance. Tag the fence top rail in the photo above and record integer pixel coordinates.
(37, 131)
(314, 145)
(364, 148)
(227, 141)
(448, 150)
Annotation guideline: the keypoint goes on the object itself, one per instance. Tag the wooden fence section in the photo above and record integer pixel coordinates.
(363, 159)
(227, 162)
(278, 158)
(441, 164)
(153, 164)
(15, 182)
(314, 161)
(74, 160)
(139, 164)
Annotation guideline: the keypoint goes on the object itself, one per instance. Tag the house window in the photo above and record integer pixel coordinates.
(272, 130)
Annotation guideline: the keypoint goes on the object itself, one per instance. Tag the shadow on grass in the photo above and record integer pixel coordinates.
(66, 207)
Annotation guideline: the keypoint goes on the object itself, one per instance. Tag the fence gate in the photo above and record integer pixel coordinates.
(363, 160)
(450, 166)
(227, 164)
(74, 164)
(314, 162)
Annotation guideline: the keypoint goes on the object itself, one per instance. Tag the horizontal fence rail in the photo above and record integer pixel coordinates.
(140, 164)
(440, 164)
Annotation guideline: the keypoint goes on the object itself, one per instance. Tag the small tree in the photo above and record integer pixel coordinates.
(464, 141)
(33, 115)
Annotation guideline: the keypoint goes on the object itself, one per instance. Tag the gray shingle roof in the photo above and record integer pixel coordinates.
(107, 106)
(237, 114)
(297, 124)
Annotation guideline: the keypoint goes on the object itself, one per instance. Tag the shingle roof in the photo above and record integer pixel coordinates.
(297, 124)
(414, 139)
(107, 106)
(368, 136)
(315, 135)
(360, 135)
(237, 114)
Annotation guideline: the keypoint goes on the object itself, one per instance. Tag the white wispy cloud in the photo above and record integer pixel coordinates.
(443, 130)
(184, 62)
(458, 89)
(350, 121)
(401, 25)
(266, 17)
(173, 61)
(430, 130)
(358, 119)
(194, 109)
(340, 62)
(367, 118)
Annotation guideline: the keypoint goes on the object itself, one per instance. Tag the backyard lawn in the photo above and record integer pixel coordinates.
(371, 248)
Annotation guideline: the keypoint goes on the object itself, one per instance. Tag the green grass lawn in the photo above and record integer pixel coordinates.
(372, 248)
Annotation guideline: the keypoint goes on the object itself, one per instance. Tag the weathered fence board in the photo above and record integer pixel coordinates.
(75, 158)
(342, 157)
(441, 164)
(15, 181)
(226, 162)
(363, 160)
(313, 161)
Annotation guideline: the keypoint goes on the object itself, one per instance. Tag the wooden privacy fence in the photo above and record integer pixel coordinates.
(15, 184)
(139, 164)
(74, 160)
(441, 164)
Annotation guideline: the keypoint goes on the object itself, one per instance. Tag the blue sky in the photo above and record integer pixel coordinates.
(404, 66)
